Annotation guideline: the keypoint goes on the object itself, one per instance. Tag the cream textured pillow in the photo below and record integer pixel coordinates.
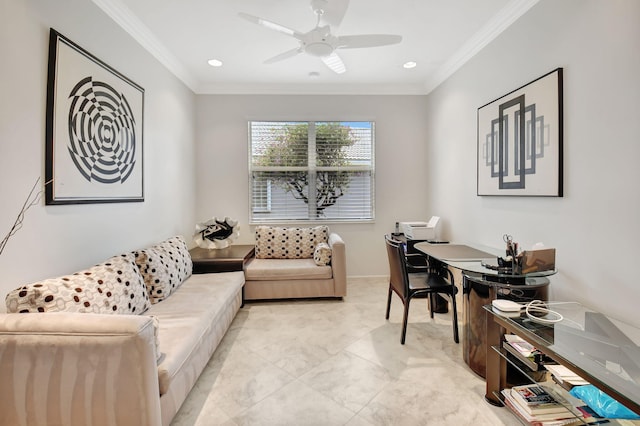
(164, 267)
(289, 243)
(114, 286)
(322, 254)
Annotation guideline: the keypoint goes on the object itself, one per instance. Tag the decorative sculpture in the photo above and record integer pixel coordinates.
(215, 233)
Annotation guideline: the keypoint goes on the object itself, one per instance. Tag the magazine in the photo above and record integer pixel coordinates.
(531, 395)
(548, 419)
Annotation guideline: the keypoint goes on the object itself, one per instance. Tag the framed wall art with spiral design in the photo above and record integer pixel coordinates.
(94, 129)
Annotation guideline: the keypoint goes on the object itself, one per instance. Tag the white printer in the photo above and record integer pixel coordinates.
(421, 230)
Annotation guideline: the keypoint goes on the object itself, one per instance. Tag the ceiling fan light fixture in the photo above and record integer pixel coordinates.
(410, 64)
(215, 62)
(319, 49)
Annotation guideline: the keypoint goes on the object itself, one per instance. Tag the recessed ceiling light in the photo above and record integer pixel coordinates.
(214, 62)
(409, 65)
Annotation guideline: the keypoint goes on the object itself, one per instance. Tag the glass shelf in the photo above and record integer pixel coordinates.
(557, 391)
(561, 395)
(583, 340)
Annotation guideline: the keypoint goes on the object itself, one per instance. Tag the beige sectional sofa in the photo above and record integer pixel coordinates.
(71, 361)
(293, 262)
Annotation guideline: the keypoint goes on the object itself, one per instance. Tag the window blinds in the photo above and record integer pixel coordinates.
(311, 171)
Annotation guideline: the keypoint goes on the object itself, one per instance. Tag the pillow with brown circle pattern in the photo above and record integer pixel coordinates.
(164, 267)
(322, 254)
(112, 287)
(274, 242)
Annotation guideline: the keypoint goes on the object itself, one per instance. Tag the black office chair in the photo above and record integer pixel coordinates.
(417, 284)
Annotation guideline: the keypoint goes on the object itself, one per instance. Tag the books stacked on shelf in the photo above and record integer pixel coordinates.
(524, 352)
(539, 406)
(565, 377)
(522, 346)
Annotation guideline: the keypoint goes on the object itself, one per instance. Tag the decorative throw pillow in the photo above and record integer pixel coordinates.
(289, 243)
(164, 267)
(322, 254)
(113, 287)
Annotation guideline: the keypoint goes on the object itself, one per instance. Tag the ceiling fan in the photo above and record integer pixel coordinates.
(320, 41)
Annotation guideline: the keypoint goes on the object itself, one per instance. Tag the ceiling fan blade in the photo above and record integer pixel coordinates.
(333, 11)
(367, 40)
(271, 25)
(334, 63)
(288, 54)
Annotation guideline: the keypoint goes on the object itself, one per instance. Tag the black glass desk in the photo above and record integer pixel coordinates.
(591, 345)
(481, 285)
(454, 253)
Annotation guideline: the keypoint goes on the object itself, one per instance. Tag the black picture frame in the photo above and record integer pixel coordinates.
(520, 141)
(94, 129)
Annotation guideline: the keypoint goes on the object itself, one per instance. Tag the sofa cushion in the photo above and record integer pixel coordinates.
(114, 286)
(289, 243)
(192, 322)
(164, 267)
(322, 254)
(285, 269)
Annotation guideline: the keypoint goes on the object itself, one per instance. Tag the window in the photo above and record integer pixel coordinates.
(330, 163)
(262, 195)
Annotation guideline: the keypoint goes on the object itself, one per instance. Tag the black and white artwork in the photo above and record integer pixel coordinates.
(520, 140)
(94, 129)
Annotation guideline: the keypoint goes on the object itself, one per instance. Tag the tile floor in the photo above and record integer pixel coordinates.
(339, 363)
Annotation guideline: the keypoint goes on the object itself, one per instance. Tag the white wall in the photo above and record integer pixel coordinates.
(57, 240)
(401, 176)
(595, 226)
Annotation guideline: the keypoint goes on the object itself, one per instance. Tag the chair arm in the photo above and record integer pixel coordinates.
(448, 273)
(417, 268)
(338, 264)
(414, 256)
(68, 368)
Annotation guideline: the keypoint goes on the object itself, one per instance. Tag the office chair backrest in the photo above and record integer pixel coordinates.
(397, 266)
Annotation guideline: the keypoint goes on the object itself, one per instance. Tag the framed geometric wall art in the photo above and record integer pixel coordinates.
(520, 140)
(94, 129)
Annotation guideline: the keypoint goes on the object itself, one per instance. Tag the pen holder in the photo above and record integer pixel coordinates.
(512, 266)
(517, 267)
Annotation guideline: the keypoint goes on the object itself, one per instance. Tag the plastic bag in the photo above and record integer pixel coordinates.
(602, 404)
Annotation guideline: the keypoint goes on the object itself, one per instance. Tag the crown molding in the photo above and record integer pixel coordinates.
(492, 29)
(123, 16)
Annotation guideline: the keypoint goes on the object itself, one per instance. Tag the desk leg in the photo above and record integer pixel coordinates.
(496, 373)
(242, 303)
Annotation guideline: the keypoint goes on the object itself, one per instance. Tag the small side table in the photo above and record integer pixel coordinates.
(228, 259)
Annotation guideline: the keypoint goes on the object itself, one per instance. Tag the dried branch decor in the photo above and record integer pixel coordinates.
(32, 200)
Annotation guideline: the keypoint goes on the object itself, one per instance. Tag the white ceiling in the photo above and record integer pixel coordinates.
(440, 35)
